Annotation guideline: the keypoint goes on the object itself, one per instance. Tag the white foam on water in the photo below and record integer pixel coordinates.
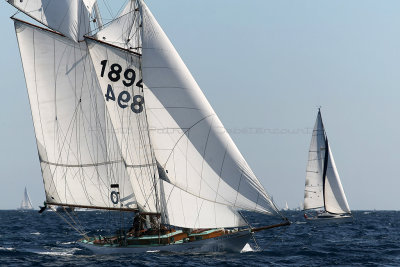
(152, 251)
(6, 249)
(35, 233)
(247, 248)
(69, 252)
(68, 243)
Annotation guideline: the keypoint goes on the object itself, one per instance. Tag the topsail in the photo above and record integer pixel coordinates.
(69, 17)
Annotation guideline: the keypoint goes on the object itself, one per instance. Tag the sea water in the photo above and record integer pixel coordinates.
(372, 238)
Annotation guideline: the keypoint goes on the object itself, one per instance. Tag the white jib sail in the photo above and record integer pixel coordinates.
(189, 141)
(313, 193)
(69, 17)
(26, 203)
(78, 151)
(335, 199)
(120, 79)
(183, 209)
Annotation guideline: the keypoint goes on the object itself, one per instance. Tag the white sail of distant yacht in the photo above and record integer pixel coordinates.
(121, 124)
(323, 188)
(286, 206)
(26, 203)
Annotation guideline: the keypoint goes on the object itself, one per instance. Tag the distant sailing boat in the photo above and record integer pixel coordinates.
(286, 206)
(122, 125)
(323, 189)
(26, 203)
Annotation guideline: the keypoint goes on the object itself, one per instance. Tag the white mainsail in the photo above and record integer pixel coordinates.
(78, 151)
(26, 203)
(323, 187)
(313, 193)
(69, 17)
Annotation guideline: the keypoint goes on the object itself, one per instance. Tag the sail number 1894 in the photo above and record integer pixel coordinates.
(124, 97)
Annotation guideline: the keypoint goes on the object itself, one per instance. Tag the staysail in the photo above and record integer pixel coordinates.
(79, 154)
(69, 17)
(26, 203)
(323, 187)
(119, 75)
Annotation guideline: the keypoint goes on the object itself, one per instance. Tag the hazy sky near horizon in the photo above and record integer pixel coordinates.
(265, 66)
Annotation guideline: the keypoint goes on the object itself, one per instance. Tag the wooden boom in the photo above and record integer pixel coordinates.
(286, 223)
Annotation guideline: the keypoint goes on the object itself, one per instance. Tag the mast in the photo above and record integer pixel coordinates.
(97, 13)
(155, 167)
(118, 69)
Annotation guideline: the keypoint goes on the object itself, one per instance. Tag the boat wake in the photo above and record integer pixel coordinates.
(152, 251)
(54, 252)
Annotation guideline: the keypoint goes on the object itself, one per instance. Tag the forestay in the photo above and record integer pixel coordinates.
(313, 193)
(120, 79)
(79, 154)
(189, 141)
(69, 17)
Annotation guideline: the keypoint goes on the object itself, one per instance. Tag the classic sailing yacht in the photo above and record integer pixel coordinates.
(26, 203)
(122, 125)
(323, 190)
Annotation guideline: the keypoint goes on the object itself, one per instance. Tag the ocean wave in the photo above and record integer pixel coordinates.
(6, 249)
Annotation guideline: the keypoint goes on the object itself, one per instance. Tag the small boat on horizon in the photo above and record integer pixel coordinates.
(26, 203)
(324, 197)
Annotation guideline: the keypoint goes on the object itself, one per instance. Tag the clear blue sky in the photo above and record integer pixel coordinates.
(265, 65)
